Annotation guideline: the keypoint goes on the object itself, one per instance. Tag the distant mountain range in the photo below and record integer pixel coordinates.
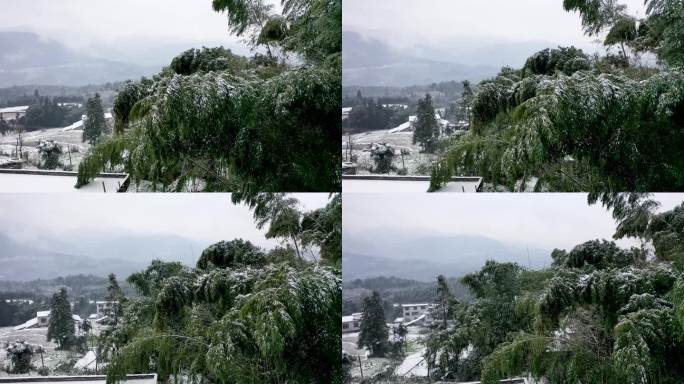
(91, 254)
(366, 61)
(423, 257)
(369, 61)
(28, 59)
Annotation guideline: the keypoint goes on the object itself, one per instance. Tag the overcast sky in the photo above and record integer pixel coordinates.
(91, 24)
(543, 220)
(408, 22)
(202, 217)
(106, 19)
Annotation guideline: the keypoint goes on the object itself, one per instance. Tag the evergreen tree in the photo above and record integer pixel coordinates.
(466, 99)
(374, 333)
(116, 297)
(114, 291)
(4, 127)
(426, 128)
(444, 301)
(94, 125)
(61, 325)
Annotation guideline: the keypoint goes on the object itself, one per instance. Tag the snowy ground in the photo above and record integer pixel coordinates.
(21, 183)
(69, 139)
(51, 358)
(411, 369)
(369, 366)
(413, 365)
(412, 162)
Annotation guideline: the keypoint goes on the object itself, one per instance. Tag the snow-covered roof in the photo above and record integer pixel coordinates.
(18, 109)
(27, 324)
(77, 318)
(415, 305)
(346, 110)
(402, 128)
(399, 320)
(414, 365)
(42, 313)
(74, 126)
(87, 361)
(352, 317)
(79, 124)
(416, 320)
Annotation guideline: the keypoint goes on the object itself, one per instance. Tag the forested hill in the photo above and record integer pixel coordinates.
(29, 59)
(394, 290)
(78, 285)
(397, 253)
(369, 61)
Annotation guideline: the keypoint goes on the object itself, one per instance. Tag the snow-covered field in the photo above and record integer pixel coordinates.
(409, 370)
(21, 183)
(413, 365)
(402, 140)
(68, 139)
(51, 358)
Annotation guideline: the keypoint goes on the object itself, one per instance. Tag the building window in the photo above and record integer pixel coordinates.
(345, 326)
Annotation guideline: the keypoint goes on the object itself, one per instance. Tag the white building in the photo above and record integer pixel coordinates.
(412, 312)
(12, 114)
(395, 106)
(351, 323)
(19, 301)
(106, 308)
(345, 113)
(42, 320)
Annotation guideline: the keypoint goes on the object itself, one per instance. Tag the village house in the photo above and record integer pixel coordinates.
(13, 114)
(411, 312)
(351, 323)
(346, 112)
(106, 308)
(42, 320)
(395, 106)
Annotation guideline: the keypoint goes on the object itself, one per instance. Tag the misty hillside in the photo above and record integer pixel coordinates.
(21, 262)
(370, 61)
(90, 255)
(78, 285)
(396, 290)
(423, 257)
(26, 58)
(366, 61)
